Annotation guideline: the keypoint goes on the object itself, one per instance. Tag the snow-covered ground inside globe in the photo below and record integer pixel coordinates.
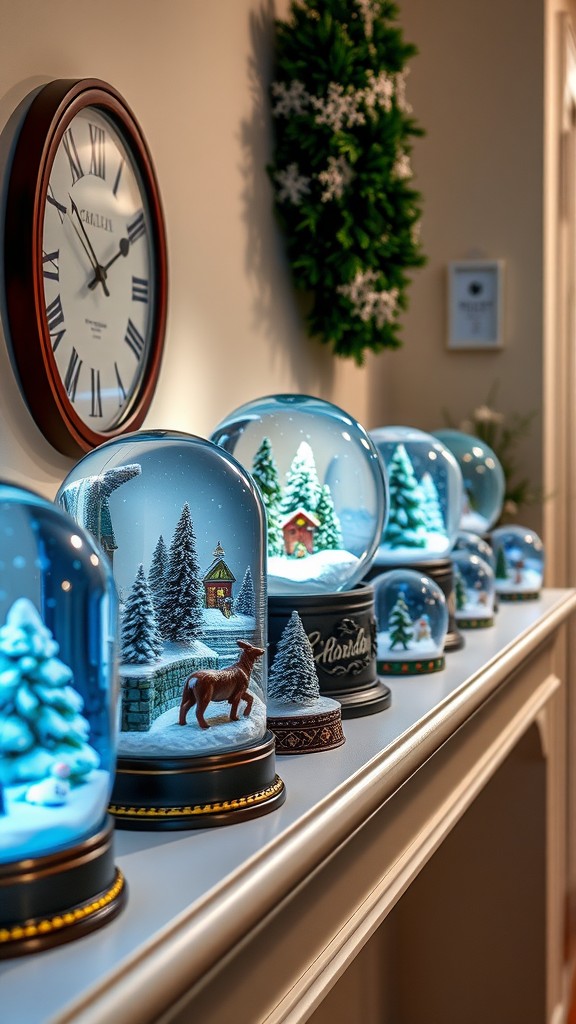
(323, 572)
(474, 522)
(166, 737)
(531, 581)
(29, 829)
(425, 648)
(287, 709)
(436, 544)
(240, 626)
(475, 609)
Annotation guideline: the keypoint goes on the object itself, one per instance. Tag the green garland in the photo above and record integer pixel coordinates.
(341, 168)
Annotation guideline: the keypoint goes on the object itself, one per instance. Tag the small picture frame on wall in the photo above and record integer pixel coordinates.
(475, 296)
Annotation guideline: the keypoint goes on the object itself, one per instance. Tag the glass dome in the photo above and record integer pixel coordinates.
(412, 622)
(58, 679)
(323, 486)
(183, 527)
(474, 590)
(519, 556)
(476, 545)
(484, 481)
(425, 496)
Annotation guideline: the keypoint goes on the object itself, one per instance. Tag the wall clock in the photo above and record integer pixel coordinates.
(85, 265)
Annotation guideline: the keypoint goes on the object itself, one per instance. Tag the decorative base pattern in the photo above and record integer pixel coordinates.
(411, 668)
(518, 595)
(307, 734)
(201, 815)
(474, 623)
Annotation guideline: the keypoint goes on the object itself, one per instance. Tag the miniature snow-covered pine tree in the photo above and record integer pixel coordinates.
(293, 678)
(459, 590)
(182, 611)
(400, 624)
(157, 577)
(431, 505)
(302, 488)
(40, 719)
(406, 521)
(265, 473)
(328, 536)
(245, 603)
(501, 571)
(141, 640)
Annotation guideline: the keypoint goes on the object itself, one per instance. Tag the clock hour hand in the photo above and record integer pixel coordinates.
(122, 251)
(100, 273)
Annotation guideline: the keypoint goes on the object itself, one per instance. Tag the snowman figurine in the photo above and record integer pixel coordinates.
(53, 790)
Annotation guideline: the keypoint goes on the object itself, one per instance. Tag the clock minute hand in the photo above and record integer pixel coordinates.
(100, 273)
(122, 251)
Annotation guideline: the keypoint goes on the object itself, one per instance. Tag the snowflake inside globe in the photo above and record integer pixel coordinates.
(322, 484)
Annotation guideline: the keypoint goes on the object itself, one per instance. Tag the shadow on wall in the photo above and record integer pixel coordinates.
(278, 310)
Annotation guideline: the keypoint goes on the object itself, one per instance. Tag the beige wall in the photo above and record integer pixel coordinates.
(194, 72)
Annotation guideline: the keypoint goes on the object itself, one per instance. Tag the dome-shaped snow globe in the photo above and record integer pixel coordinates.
(484, 481)
(425, 496)
(58, 696)
(183, 527)
(412, 621)
(476, 545)
(474, 590)
(519, 554)
(324, 488)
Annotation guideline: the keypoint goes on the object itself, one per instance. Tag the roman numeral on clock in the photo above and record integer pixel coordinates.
(50, 198)
(55, 318)
(136, 228)
(72, 374)
(139, 289)
(96, 409)
(116, 184)
(50, 264)
(97, 151)
(134, 339)
(73, 158)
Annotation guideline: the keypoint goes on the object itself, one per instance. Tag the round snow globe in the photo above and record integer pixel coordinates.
(323, 487)
(476, 545)
(183, 527)
(474, 590)
(425, 496)
(58, 696)
(484, 481)
(519, 554)
(412, 622)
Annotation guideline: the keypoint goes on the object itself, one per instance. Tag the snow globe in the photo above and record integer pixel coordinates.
(476, 545)
(519, 554)
(301, 718)
(412, 616)
(484, 481)
(425, 500)
(183, 527)
(58, 695)
(324, 490)
(474, 590)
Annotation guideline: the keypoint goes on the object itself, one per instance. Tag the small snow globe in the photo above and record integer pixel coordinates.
(519, 554)
(322, 484)
(302, 720)
(425, 496)
(474, 590)
(484, 481)
(324, 489)
(476, 545)
(412, 622)
(58, 696)
(183, 527)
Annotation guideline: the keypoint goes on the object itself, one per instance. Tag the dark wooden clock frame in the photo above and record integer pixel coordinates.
(45, 122)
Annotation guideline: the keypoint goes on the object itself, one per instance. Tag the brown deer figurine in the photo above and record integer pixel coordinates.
(229, 684)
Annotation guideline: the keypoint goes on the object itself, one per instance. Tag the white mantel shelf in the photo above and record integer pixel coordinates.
(194, 896)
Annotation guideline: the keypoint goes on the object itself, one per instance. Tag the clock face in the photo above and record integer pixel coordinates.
(98, 270)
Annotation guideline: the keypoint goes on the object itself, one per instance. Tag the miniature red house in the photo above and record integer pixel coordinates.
(218, 580)
(298, 529)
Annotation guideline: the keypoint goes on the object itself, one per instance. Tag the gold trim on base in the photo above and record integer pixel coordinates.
(240, 803)
(45, 927)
